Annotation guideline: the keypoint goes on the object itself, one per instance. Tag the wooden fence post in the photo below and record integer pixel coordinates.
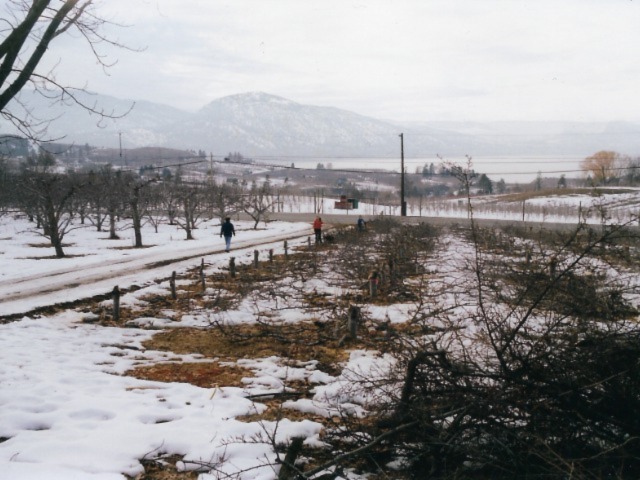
(286, 249)
(255, 258)
(115, 293)
(309, 242)
(373, 283)
(271, 255)
(172, 285)
(288, 470)
(202, 278)
(353, 320)
(580, 212)
(232, 266)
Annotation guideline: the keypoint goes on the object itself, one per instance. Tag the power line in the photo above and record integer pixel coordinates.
(381, 171)
(630, 133)
(290, 167)
(415, 156)
(388, 172)
(372, 172)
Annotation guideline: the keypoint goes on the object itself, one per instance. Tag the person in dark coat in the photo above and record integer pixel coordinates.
(227, 230)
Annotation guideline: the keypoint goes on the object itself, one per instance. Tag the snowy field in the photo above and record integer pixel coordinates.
(94, 264)
(559, 208)
(68, 412)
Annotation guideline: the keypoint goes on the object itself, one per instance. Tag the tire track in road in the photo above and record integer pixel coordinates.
(35, 291)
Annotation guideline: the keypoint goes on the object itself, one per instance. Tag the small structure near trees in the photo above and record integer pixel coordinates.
(346, 203)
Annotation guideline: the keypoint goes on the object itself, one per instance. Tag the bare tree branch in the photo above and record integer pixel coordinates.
(29, 35)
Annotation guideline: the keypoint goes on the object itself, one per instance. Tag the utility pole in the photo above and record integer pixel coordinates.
(403, 204)
(120, 140)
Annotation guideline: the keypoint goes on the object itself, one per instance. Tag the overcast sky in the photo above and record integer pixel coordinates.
(402, 60)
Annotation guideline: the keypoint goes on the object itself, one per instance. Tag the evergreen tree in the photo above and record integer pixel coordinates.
(485, 184)
(562, 181)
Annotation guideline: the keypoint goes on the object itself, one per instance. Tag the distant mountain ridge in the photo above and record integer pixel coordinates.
(260, 124)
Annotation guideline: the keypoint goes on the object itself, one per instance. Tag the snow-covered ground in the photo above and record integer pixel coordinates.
(559, 208)
(66, 410)
(93, 264)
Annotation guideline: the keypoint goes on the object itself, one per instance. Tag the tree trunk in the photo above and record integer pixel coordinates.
(112, 225)
(137, 229)
(187, 220)
(137, 226)
(99, 216)
(51, 223)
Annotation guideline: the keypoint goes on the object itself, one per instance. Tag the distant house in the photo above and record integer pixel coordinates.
(346, 203)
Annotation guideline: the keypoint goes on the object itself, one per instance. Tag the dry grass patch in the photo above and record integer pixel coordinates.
(303, 341)
(206, 375)
(275, 412)
(163, 469)
(131, 247)
(48, 245)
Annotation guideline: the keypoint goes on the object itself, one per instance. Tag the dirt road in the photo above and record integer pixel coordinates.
(25, 294)
(29, 293)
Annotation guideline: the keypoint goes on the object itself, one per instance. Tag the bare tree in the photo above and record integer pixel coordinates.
(170, 198)
(51, 194)
(156, 199)
(258, 202)
(7, 187)
(27, 32)
(529, 370)
(115, 188)
(632, 171)
(190, 198)
(96, 193)
(602, 166)
(224, 199)
(518, 362)
(138, 200)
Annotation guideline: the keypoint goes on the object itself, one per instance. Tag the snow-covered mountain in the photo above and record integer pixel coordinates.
(271, 125)
(259, 124)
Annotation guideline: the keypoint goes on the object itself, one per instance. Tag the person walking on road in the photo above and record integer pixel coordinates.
(317, 229)
(227, 230)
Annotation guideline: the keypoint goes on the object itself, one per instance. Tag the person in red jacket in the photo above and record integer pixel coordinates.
(317, 228)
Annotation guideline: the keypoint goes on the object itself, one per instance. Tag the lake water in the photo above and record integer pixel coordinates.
(512, 169)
